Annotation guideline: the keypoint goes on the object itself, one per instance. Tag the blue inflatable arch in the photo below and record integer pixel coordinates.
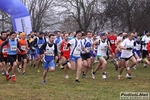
(19, 14)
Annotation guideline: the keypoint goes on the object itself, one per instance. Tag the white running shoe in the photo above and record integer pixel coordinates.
(134, 67)
(128, 76)
(66, 76)
(93, 76)
(104, 76)
(144, 65)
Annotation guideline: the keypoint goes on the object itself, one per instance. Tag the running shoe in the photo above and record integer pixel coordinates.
(43, 82)
(104, 76)
(38, 71)
(128, 76)
(3, 72)
(77, 81)
(8, 77)
(134, 67)
(13, 78)
(66, 76)
(24, 73)
(83, 75)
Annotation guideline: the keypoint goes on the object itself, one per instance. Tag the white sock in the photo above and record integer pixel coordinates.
(144, 64)
(7, 73)
(128, 68)
(13, 75)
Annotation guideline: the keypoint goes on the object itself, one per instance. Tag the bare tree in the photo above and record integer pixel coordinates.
(80, 10)
(42, 14)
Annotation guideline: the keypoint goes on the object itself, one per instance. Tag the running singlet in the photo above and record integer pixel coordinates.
(12, 47)
(57, 40)
(23, 46)
(112, 40)
(65, 49)
(137, 45)
(127, 44)
(145, 40)
(76, 47)
(40, 42)
(86, 43)
(102, 47)
(4, 49)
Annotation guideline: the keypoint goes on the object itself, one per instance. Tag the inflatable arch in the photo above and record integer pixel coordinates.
(19, 14)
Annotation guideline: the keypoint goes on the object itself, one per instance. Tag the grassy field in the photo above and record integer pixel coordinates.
(30, 87)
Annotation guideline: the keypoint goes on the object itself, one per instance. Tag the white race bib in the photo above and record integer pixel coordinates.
(40, 45)
(65, 48)
(88, 48)
(13, 48)
(112, 41)
(103, 49)
(4, 50)
(77, 51)
(95, 48)
(50, 54)
(23, 47)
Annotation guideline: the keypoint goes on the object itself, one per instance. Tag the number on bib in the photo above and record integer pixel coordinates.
(65, 48)
(23, 47)
(13, 48)
(4, 50)
(50, 54)
(40, 45)
(112, 41)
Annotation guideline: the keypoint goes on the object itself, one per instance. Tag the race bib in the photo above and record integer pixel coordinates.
(103, 49)
(95, 48)
(4, 50)
(23, 47)
(78, 49)
(112, 42)
(88, 48)
(65, 48)
(40, 45)
(13, 48)
(50, 54)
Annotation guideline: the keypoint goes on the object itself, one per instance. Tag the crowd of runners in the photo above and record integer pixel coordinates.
(80, 51)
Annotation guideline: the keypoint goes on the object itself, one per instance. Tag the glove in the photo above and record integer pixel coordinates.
(21, 50)
(129, 48)
(61, 53)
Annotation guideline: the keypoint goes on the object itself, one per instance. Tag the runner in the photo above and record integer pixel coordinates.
(113, 40)
(85, 54)
(3, 55)
(12, 52)
(145, 40)
(65, 53)
(50, 52)
(56, 41)
(37, 43)
(103, 44)
(75, 58)
(127, 54)
(22, 54)
(137, 50)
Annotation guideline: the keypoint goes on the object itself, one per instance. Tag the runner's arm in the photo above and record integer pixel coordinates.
(42, 49)
(3, 44)
(93, 45)
(55, 50)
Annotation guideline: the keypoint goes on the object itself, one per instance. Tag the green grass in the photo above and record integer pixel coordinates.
(29, 87)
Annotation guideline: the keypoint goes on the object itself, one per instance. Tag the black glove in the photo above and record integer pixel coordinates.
(129, 48)
(21, 50)
(61, 53)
